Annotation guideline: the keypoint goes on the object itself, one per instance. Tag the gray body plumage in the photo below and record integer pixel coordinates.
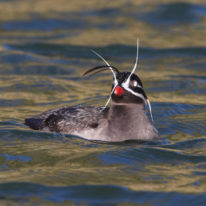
(118, 123)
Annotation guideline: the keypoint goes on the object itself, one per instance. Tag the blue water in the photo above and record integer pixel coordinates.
(45, 49)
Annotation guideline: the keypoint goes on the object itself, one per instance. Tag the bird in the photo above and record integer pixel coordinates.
(125, 119)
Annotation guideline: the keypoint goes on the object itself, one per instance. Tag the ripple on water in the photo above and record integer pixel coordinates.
(41, 65)
(150, 155)
(175, 14)
(93, 194)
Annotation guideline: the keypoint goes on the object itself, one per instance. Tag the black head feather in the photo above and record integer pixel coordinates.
(100, 69)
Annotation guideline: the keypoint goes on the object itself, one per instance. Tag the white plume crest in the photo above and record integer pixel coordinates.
(126, 83)
(115, 78)
(114, 75)
(137, 57)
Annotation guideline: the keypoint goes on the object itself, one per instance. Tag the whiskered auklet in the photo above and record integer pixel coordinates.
(125, 119)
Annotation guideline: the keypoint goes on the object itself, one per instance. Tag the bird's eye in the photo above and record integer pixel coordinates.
(134, 84)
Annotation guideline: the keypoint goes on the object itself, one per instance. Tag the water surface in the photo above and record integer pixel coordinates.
(44, 50)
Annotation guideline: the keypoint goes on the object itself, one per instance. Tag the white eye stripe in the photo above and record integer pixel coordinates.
(146, 101)
(134, 93)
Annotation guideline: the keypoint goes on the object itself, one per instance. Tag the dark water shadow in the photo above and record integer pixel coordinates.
(68, 22)
(117, 51)
(173, 14)
(94, 194)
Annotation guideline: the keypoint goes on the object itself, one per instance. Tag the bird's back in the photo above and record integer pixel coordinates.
(67, 119)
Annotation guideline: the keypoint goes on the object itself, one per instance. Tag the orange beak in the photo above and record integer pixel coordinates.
(118, 91)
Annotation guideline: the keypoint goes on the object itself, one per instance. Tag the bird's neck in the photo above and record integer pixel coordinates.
(127, 115)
